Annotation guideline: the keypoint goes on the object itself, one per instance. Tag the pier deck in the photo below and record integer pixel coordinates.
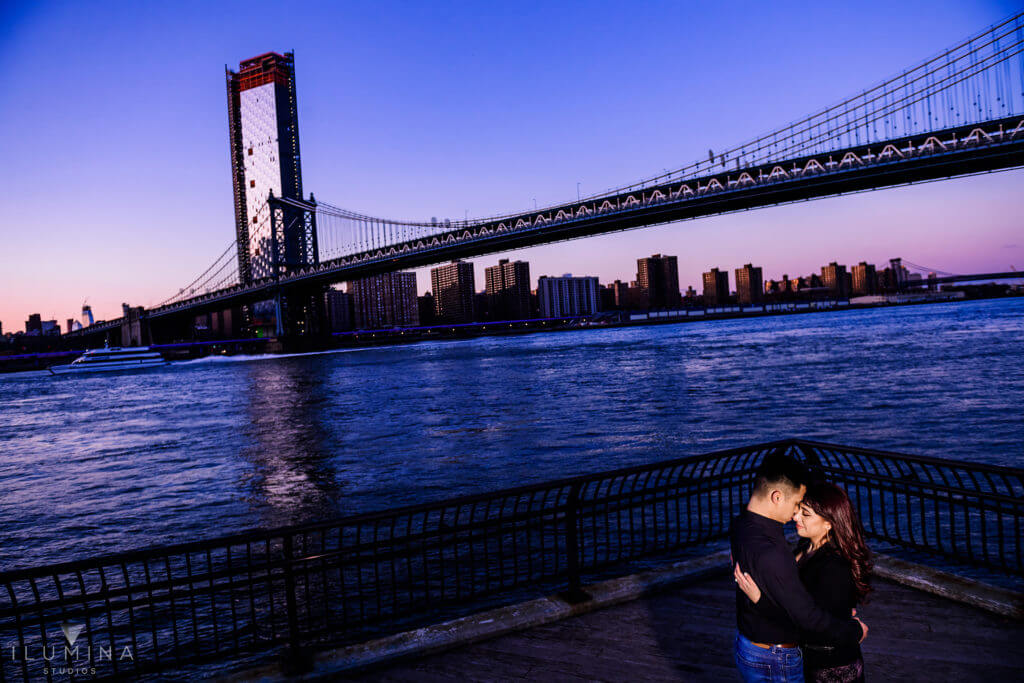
(685, 634)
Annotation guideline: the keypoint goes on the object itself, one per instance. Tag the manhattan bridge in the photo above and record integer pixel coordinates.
(958, 113)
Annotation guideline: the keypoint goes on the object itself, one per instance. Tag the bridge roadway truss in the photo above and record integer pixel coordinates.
(976, 148)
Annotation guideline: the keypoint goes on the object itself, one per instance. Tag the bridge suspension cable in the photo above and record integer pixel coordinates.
(952, 88)
(980, 78)
(203, 279)
(926, 269)
(342, 232)
(223, 272)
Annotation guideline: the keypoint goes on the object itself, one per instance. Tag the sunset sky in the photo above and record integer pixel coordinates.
(116, 182)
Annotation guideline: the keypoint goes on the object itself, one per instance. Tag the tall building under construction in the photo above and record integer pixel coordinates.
(263, 124)
(272, 237)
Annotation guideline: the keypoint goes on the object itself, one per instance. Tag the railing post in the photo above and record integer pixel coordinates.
(810, 457)
(296, 660)
(575, 593)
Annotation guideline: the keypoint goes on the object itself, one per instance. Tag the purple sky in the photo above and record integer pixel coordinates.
(113, 130)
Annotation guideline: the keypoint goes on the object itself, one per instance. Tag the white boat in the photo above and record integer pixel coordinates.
(112, 359)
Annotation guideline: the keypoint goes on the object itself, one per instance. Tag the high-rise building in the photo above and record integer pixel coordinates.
(453, 286)
(428, 313)
(606, 297)
(339, 310)
(749, 285)
(833, 276)
(508, 290)
(481, 312)
(716, 287)
(628, 296)
(620, 293)
(886, 280)
(567, 296)
(658, 276)
(385, 300)
(263, 125)
(34, 324)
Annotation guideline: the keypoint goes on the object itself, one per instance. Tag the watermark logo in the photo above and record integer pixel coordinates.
(71, 658)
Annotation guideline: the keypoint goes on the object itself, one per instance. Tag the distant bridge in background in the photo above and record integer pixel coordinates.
(958, 113)
(977, 277)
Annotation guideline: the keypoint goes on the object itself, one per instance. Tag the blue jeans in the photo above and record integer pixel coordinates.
(757, 664)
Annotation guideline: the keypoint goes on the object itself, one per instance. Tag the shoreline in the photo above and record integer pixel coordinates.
(371, 338)
(355, 339)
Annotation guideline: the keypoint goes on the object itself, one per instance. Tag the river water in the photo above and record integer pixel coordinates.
(208, 447)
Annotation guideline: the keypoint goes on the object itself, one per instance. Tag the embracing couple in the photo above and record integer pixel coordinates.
(795, 613)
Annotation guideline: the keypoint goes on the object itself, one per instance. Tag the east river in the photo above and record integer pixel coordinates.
(209, 447)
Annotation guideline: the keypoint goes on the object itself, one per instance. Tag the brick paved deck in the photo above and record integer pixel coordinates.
(685, 634)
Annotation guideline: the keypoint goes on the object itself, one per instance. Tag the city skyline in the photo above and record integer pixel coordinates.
(967, 221)
(860, 279)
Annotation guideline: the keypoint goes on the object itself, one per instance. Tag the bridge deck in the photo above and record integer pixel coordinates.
(686, 634)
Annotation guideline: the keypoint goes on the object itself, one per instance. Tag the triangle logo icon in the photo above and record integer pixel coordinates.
(71, 631)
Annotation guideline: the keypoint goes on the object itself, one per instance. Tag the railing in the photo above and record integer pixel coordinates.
(965, 512)
(294, 589)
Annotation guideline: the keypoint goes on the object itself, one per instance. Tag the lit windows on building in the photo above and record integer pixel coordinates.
(508, 290)
(453, 287)
(384, 301)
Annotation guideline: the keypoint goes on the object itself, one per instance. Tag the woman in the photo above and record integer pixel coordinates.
(834, 564)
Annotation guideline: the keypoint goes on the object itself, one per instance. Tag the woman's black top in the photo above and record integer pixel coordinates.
(829, 580)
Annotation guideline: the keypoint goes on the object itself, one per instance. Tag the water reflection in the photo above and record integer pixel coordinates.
(289, 414)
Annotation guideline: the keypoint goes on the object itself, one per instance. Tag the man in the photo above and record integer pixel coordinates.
(766, 642)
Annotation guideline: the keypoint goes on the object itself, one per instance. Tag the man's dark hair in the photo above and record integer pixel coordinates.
(779, 470)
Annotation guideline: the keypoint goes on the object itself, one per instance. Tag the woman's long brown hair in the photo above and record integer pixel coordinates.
(846, 534)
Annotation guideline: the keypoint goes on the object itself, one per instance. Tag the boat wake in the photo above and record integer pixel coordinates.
(247, 358)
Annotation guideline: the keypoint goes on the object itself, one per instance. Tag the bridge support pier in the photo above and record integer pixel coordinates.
(278, 315)
(134, 326)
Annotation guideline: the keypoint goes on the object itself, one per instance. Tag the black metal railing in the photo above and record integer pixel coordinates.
(288, 591)
(966, 512)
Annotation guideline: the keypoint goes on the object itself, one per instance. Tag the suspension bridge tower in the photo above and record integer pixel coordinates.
(272, 238)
